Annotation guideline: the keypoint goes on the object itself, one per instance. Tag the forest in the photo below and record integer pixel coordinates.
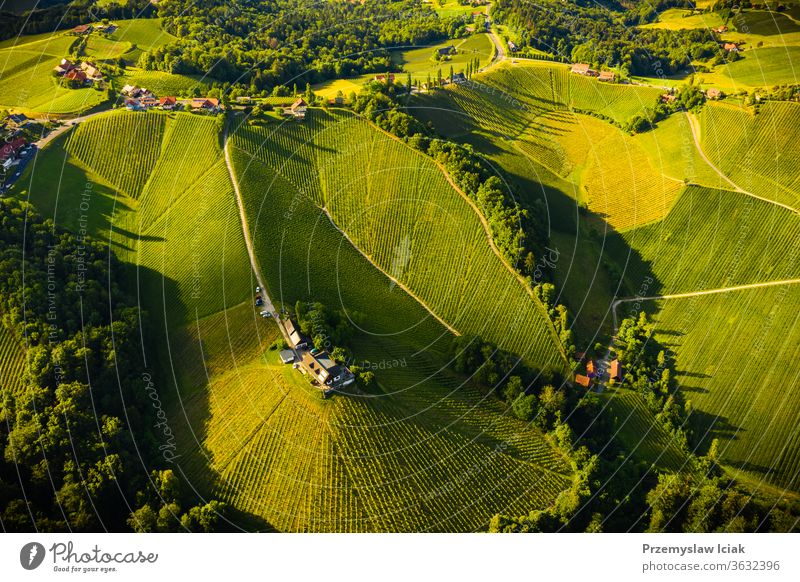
(82, 440)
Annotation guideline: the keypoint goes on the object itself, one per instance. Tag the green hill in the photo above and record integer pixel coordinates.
(397, 206)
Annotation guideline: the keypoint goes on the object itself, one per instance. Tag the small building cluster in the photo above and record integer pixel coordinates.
(585, 70)
(321, 369)
(731, 47)
(594, 374)
(141, 99)
(10, 152)
(78, 73)
(86, 29)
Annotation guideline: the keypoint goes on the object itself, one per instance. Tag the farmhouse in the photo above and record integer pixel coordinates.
(458, 78)
(76, 76)
(591, 369)
(106, 28)
(8, 152)
(615, 371)
(132, 105)
(295, 338)
(668, 98)
(607, 76)
(148, 102)
(582, 380)
(91, 70)
(713, 93)
(205, 103)
(721, 29)
(65, 66)
(17, 120)
(83, 29)
(388, 79)
(446, 50)
(298, 109)
(583, 69)
(324, 371)
(167, 103)
(512, 46)
(731, 47)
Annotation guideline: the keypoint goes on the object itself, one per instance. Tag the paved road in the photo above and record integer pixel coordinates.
(67, 125)
(268, 305)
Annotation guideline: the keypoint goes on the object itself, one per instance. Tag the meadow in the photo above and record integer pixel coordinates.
(734, 354)
(419, 62)
(27, 84)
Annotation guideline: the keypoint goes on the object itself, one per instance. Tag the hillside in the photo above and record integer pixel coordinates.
(400, 210)
(735, 355)
(250, 430)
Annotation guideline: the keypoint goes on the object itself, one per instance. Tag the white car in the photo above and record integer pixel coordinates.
(258, 289)
(266, 313)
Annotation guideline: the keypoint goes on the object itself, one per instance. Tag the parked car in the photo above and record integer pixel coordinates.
(266, 313)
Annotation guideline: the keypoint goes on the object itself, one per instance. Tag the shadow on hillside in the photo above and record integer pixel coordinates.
(711, 426)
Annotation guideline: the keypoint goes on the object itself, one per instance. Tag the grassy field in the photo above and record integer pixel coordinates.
(734, 355)
(672, 152)
(760, 67)
(27, 84)
(758, 152)
(145, 33)
(419, 62)
(162, 83)
(398, 199)
(713, 239)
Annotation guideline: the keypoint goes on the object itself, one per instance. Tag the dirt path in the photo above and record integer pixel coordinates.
(694, 124)
(616, 303)
(268, 305)
(395, 281)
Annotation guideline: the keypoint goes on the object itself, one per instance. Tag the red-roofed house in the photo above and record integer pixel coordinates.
(83, 29)
(615, 371)
(77, 77)
(582, 380)
(167, 102)
(298, 109)
(607, 76)
(591, 369)
(8, 152)
(731, 47)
